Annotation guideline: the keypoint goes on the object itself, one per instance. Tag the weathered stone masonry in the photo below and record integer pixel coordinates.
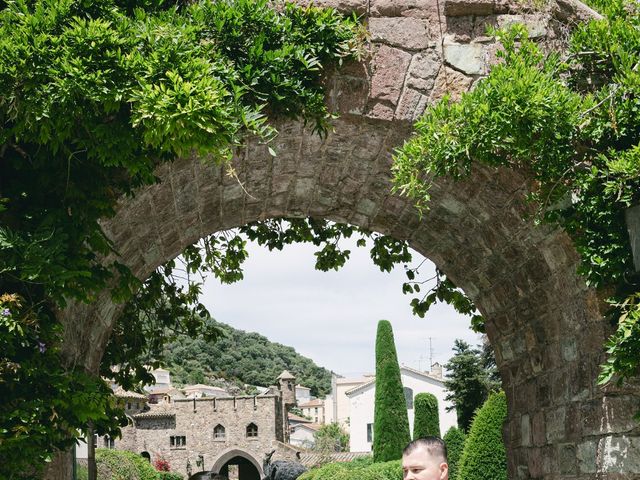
(195, 419)
(542, 319)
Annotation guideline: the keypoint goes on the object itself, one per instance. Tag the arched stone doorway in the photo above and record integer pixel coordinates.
(544, 322)
(237, 464)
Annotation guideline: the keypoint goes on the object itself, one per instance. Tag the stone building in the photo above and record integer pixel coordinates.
(222, 435)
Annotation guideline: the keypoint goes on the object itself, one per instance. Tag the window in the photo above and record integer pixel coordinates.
(109, 442)
(128, 405)
(316, 410)
(219, 432)
(176, 441)
(370, 432)
(252, 430)
(408, 396)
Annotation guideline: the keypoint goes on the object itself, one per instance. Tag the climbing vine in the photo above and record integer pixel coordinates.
(573, 123)
(93, 97)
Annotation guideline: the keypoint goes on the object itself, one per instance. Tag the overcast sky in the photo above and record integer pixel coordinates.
(331, 317)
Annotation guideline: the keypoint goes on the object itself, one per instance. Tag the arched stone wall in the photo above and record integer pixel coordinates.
(232, 453)
(542, 319)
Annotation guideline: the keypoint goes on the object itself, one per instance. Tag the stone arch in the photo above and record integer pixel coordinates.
(544, 322)
(232, 453)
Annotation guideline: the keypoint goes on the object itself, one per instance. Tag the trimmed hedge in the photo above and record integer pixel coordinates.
(484, 456)
(390, 421)
(454, 439)
(123, 465)
(356, 471)
(426, 421)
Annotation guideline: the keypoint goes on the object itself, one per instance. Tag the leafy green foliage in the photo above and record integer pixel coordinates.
(471, 377)
(94, 96)
(484, 456)
(454, 440)
(124, 465)
(42, 402)
(390, 420)
(426, 421)
(239, 357)
(356, 470)
(574, 125)
(331, 438)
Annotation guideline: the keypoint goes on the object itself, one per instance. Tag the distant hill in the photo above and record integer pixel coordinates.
(241, 357)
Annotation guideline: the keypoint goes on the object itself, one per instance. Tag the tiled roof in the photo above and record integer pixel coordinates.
(316, 402)
(286, 375)
(161, 411)
(372, 381)
(297, 418)
(311, 426)
(121, 393)
(315, 459)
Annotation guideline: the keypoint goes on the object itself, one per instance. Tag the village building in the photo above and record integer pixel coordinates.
(303, 394)
(314, 410)
(362, 404)
(210, 433)
(303, 435)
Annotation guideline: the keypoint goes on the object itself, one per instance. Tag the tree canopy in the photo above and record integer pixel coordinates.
(471, 377)
(240, 357)
(390, 420)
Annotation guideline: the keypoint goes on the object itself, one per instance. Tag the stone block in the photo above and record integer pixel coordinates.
(389, 69)
(586, 455)
(406, 8)
(412, 105)
(554, 420)
(349, 95)
(619, 454)
(423, 71)
(457, 8)
(406, 33)
(468, 58)
(525, 430)
(344, 6)
(567, 459)
(449, 82)
(536, 24)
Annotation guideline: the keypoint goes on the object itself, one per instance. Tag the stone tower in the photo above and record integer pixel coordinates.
(287, 388)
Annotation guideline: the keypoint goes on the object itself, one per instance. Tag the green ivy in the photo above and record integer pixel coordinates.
(574, 124)
(93, 97)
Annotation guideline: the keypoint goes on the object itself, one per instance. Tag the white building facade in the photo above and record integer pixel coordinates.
(362, 404)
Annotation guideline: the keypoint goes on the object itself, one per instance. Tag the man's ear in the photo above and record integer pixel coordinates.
(444, 471)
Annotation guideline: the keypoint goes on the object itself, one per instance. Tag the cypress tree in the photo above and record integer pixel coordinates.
(484, 456)
(454, 439)
(391, 423)
(426, 421)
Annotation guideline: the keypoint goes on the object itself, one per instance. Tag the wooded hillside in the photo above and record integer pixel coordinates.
(241, 357)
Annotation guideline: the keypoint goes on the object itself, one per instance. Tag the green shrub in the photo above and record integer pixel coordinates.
(356, 470)
(427, 420)
(484, 456)
(454, 439)
(123, 465)
(390, 421)
(169, 476)
(82, 472)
